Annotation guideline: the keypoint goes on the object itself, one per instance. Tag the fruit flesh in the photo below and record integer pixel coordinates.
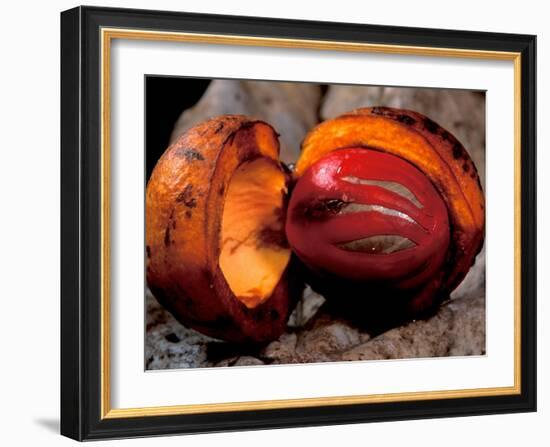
(254, 252)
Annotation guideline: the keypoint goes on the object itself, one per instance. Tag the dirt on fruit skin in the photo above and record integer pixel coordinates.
(457, 328)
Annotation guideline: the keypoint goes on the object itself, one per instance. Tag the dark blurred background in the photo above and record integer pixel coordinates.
(165, 98)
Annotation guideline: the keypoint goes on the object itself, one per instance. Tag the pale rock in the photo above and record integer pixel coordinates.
(475, 278)
(291, 108)
(322, 339)
(306, 308)
(461, 112)
(247, 360)
(326, 340)
(244, 360)
(458, 329)
(169, 344)
(281, 350)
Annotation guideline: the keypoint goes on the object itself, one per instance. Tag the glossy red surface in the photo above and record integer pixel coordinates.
(357, 193)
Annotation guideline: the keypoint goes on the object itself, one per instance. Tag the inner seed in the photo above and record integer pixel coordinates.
(379, 244)
(362, 207)
(395, 187)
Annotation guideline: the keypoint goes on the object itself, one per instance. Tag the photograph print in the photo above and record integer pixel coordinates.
(290, 222)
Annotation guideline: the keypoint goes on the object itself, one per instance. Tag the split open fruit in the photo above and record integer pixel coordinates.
(217, 255)
(386, 207)
(398, 211)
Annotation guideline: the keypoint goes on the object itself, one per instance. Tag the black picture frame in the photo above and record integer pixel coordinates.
(81, 210)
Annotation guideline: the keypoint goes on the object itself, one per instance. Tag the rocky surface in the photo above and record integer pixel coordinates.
(168, 344)
(456, 329)
(314, 334)
(292, 107)
(461, 112)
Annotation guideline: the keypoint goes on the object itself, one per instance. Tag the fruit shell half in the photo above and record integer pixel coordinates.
(184, 205)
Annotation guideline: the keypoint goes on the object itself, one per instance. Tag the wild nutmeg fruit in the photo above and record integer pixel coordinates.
(217, 255)
(387, 212)
(386, 215)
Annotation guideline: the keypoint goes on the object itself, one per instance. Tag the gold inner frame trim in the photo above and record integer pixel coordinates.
(107, 35)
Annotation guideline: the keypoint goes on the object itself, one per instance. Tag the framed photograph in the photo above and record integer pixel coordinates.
(272, 223)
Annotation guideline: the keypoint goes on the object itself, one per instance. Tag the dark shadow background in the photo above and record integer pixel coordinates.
(166, 98)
